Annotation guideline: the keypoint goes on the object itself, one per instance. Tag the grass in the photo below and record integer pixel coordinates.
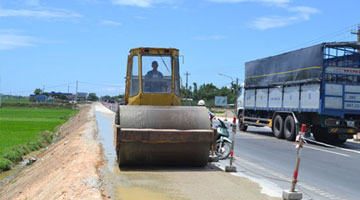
(217, 111)
(21, 100)
(22, 130)
(37, 105)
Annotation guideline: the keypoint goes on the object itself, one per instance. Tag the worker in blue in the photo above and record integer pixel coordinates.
(154, 73)
(153, 79)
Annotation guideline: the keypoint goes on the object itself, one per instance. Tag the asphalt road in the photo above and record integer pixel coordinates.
(326, 172)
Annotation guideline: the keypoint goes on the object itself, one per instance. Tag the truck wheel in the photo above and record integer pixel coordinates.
(320, 134)
(334, 139)
(242, 126)
(278, 127)
(289, 128)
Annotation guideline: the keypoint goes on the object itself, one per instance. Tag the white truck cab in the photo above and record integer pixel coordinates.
(240, 99)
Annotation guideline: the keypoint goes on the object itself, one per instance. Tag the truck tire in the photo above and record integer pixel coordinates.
(278, 127)
(334, 139)
(289, 128)
(242, 126)
(320, 134)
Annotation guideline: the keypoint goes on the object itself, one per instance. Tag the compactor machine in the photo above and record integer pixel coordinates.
(152, 128)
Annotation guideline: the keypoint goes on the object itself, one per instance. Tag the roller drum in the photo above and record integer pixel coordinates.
(164, 135)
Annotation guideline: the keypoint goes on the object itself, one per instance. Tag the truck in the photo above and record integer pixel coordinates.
(318, 86)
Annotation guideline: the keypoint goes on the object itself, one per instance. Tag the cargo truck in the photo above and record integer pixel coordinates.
(318, 86)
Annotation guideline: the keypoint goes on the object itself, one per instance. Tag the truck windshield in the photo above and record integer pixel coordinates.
(156, 73)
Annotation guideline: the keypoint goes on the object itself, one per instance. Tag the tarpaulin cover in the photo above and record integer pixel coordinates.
(299, 66)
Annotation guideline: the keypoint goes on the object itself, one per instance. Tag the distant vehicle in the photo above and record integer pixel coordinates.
(318, 86)
(121, 101)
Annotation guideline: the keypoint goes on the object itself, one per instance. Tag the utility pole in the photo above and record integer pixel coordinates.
(76, 95)
(236, 94)
(186, 91)
(68, 88)
(43, 88)
(357, 32)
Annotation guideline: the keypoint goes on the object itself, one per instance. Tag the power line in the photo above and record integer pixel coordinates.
(49, 87)
(333, 34)
(101, 84)
(186, 92)
(56, 86)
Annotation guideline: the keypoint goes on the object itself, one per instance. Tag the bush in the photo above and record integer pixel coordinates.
(26, 149)
(46, 138)
(20, 150)
(5, 164)
(13, 156)
(40, 143)
(34, 145)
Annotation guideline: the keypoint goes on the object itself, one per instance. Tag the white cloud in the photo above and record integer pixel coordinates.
(38, 13)
(139, 3)
(110, 22)
(210, 37)
(9, 39)
(302, 13)
(264, 23)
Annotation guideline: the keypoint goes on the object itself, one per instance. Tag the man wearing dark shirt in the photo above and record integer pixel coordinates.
(154, 73)
(153, 78)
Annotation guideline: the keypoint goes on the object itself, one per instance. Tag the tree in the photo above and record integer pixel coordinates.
(37, 91)
(195, 95)
(92, 97)
(106, 98)
(62, 97)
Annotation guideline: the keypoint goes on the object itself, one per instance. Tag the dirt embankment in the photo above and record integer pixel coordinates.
(68, 169)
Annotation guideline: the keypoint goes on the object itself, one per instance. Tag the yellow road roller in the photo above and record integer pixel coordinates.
(151, 128)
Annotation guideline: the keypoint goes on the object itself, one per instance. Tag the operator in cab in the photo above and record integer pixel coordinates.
(153, 79)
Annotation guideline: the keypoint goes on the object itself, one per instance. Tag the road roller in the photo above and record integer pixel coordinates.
(151, 128)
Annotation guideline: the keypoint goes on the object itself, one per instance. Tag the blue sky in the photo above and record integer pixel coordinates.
(53, 44)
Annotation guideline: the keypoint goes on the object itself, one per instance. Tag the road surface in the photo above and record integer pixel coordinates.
(326, 172)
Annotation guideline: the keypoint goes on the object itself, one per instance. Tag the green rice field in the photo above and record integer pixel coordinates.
(21, 125)
(22, 100)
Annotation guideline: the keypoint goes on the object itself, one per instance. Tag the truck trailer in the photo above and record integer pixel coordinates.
(318, 86)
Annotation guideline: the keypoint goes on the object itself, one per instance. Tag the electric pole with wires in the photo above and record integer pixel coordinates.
(186, 87)
(357, 32)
